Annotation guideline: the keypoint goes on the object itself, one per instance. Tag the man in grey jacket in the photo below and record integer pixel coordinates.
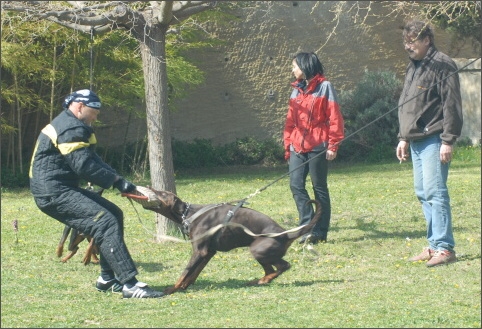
(430, 121)
(430, 118)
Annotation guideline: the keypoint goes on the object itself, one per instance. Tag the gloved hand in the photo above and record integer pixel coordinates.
(124, 186)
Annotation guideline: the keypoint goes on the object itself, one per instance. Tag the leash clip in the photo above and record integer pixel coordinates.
(185, 222)
(185, 227)
(229, 215)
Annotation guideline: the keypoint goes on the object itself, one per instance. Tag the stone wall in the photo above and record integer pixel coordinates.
(248, 77)
(471, 102)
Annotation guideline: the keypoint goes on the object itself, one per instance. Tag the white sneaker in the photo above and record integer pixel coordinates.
(141, 290)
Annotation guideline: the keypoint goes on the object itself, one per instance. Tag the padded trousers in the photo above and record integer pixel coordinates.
(91, 214)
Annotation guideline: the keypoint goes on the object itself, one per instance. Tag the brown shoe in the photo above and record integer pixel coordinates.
(441, 257)
(426, 254)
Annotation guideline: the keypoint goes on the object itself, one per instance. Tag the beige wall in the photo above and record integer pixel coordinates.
(256, 61)
(248, 77)
(471, 102)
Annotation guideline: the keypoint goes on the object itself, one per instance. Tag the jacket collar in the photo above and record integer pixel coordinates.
(301, 84)
(428, 56)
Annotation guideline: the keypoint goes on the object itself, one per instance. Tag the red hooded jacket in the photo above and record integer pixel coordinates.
(313, 118)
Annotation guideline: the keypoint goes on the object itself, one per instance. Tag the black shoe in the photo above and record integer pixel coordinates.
(304, 238)
(314, 239)
(141, 290)
(112, 285)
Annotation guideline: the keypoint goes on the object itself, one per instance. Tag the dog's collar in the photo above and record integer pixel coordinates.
(184, 215)
(186, 222)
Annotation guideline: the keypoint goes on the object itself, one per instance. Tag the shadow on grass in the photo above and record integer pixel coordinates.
(152, 267)
(203, 284)
(382, 235)
(467, 257)
(371, 231)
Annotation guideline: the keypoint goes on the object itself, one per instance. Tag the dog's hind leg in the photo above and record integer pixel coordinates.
(95, 251)
(63, 238)
(269, 254)
(268, 270)
(191, 272)
(269, 273)
(69, 255)
(89, 253)
(75, 238)
(281, 267)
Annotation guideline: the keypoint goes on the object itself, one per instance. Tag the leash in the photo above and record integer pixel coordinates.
(142, 224)
(216, 228)
(357, 131)
(228, 217)
(230, 213)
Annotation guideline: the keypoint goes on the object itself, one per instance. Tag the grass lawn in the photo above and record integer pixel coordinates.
(360, 279)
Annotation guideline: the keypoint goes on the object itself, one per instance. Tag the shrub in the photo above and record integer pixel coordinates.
(198, 153)
(243, 151)
(371, 118)
(464, 141)
(273, 152)
(15, 179)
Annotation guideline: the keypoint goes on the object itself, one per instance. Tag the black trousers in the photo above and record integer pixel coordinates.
(91, 214)
(316, 165)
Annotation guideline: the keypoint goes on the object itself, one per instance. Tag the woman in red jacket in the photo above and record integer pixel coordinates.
(313, 131)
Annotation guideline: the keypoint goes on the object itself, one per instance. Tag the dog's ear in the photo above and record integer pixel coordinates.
(178, 206)
(171, 206)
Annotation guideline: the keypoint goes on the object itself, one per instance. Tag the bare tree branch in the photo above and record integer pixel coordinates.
(165, 12)
(109, 15)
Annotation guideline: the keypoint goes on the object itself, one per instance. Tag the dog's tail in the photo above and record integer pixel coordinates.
(308, 227)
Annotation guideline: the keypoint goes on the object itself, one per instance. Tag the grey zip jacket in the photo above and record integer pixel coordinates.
(437, 108)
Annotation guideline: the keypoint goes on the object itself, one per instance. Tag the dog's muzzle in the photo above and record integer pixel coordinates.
(145, 197)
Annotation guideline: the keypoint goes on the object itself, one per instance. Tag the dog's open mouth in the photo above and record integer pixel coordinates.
(144, 196)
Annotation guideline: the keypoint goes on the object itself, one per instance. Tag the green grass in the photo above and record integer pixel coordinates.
(360, 279)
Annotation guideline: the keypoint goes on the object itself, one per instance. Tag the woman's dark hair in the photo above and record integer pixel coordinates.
(309, 64)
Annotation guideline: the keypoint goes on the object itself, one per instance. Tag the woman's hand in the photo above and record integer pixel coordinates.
(330, 155)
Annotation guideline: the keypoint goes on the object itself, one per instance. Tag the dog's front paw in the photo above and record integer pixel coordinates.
(169, 291)
(255, 282)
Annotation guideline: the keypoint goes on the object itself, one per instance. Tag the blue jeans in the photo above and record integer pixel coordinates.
(430, 182)
(318, 170)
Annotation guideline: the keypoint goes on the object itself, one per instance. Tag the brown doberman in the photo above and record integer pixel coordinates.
(76, 238)
(223, 227)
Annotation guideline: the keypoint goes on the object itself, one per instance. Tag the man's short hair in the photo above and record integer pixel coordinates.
(418, 30)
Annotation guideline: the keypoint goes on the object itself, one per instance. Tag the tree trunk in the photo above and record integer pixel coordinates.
(136, 162)
(52, 86)
(153, 50)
